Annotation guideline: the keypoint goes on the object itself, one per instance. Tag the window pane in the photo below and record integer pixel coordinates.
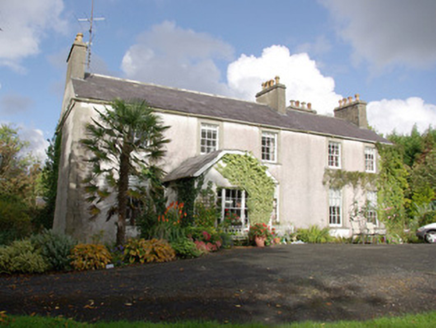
(369, 159)
(269, 146)
(209, 138)
(335, 207)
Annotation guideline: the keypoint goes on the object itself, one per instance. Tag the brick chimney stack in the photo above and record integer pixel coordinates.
(76, 59)
(353, 111)
(273, 95)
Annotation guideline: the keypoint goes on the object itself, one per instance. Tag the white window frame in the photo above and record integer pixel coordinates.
(334, 155)
(370, 160)
(213, 129)
(371, 203)
(335, 207)
(268, 154)
(234, 204)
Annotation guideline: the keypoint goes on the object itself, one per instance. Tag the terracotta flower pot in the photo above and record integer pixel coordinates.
(260, 241)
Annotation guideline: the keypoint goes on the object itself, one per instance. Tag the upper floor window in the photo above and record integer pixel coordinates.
(370, 159)
(334, 156)
(208, 138)
(335, 207)
(269, 146)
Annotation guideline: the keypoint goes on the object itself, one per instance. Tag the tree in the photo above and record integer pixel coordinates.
(126, 142)
(18, 173)
(19, 176)
(49, 182)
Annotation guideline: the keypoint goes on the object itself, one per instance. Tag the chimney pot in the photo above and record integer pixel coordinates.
(357, 96)
(297, 104)
(277, 78)
(344, 101)
(79, 37)
(292, 103)
(340, 102)
(309, 105)
(303, 105)
(350, 100)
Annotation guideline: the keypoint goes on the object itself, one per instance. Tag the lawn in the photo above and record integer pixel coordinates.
(418, 320)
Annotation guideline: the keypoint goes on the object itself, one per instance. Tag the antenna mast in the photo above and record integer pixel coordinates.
(91, 35)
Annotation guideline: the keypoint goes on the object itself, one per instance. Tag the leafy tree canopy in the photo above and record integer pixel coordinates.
(126, 142)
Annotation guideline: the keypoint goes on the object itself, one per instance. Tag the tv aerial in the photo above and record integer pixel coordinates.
(91, 21)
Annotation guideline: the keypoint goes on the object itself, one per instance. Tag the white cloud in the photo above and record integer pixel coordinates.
(303, 80)
(37, 143)
(389, 31)
(401, 115)
(35, 137)
(24, 23)
(177, 57)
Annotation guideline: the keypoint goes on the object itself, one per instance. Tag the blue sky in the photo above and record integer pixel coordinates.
(322, 50)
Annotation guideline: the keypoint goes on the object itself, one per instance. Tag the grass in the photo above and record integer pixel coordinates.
(417, 320)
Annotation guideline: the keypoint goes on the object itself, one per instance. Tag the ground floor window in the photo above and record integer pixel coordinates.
(335, 207)
(371, 207)
(233, 205)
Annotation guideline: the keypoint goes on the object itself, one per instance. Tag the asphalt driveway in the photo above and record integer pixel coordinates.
(272, 285)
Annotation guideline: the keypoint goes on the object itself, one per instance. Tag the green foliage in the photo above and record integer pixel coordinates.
(90, 257)
(205, 209)
(154, 250)
(187, 192)
(392, 185)
(14, 220)
(124, 142)
(249, 174)
(314, 235)
(49, 182)
(55, 248)
(259, 230)
(18, 174)
(337, 179)
(22, 257)
(185, 248)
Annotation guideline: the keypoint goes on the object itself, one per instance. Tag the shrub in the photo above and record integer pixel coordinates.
(204, 215)
(90, 257)
(185, 248)
(14, 219)
(314, 235)
(227, 240)
(117, 253)
(55, 248)
(207, 235)
(22, 257)
(154, 250)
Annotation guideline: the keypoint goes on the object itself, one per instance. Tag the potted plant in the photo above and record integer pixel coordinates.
(259, 233)
(232, 219)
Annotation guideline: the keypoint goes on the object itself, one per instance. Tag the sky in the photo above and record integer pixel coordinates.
(323, 51)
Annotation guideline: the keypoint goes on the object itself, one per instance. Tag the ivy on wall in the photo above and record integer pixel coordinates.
(246, 172)
(337, 179)
(187, 192)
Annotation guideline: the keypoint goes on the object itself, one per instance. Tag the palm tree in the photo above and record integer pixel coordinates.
(127, 142)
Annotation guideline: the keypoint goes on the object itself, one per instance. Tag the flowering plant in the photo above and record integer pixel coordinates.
(173, 215)
(232, 218)
(259, 230)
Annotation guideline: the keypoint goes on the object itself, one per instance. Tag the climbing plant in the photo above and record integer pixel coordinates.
(187, 192)
(337, 179)
(246, 172)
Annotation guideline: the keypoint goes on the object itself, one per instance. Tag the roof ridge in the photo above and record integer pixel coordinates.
(176, 89)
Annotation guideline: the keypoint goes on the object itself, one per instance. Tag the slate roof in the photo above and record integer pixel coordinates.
(104, 88)
(192, 165)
